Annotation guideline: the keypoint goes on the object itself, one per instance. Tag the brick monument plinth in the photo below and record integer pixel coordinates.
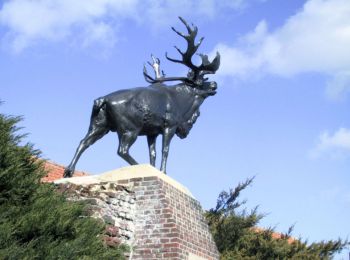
(157, 216)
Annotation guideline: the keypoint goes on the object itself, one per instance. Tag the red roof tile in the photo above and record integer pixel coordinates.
(275, 235)
(55, 172)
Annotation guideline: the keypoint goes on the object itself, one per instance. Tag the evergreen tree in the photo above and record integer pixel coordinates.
(237, 236)
(35, 221)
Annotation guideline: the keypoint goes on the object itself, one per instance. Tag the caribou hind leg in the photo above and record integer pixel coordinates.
(126, 140)
(97, 129)
(90, 138)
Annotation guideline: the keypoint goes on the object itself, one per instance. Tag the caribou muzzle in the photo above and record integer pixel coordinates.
(212, 88)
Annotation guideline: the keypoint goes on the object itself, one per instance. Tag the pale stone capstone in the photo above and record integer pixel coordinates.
(125, 173)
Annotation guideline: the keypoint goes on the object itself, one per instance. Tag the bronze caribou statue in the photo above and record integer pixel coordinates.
(153, 110)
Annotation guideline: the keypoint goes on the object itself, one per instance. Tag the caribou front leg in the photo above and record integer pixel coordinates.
(167, 136)
(151, 140)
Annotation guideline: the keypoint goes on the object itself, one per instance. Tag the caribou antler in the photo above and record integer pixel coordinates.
(159, 76)
(191, 46)
(196, 73)
(206, 67)
(156, 67)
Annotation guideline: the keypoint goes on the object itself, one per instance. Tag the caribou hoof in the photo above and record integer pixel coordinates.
(67, 173)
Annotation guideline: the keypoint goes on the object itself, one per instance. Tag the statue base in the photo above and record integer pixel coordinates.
(157, 216)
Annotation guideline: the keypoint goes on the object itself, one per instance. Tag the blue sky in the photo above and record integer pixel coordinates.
(281, 112)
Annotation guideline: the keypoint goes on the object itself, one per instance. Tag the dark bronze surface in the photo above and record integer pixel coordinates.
(154, 110)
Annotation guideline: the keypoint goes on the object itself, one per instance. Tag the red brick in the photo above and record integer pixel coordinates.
(171, 245)
(175, 240)
(170, 255)
(169, 225)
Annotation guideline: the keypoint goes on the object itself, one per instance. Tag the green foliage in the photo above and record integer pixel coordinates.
(237, 236)
(35, 221)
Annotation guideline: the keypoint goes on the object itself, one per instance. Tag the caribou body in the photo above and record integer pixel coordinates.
(154, 110)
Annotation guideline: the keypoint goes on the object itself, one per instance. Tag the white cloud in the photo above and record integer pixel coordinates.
(316, 39)
(334, 145)
(161, 13)
(339, 85)
(31, 22)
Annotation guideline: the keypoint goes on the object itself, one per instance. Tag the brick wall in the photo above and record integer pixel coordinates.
(155, 215)
(112, 203)
(169, 224)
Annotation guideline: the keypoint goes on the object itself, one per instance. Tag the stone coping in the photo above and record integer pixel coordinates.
(195, 257)
(126, 173)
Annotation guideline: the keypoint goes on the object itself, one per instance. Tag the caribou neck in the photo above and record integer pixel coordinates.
(189, 100)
